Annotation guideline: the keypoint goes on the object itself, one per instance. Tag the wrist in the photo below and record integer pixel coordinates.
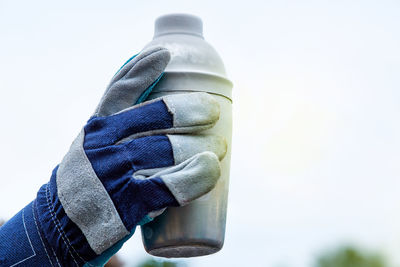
(62, 235)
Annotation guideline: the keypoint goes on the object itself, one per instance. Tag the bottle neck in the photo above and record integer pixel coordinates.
(178, 24)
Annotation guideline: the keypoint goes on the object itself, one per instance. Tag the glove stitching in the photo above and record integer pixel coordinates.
(56, 223)
(45, 249)
(126, 154)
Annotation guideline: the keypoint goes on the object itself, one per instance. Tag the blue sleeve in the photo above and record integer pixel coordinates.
(22, 243)
(42, 235)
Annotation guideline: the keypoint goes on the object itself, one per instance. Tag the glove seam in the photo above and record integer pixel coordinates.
(41, 240)
(170, 111)
(57, 225)
(178, 192)
(134, 168)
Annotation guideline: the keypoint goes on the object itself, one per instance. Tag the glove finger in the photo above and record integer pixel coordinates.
(175, 186)
(192, 178)
(154, 152)
(133, 80)
(186, 146)
(179, 113)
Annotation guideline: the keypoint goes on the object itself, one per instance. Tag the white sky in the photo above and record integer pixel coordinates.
(316, 160)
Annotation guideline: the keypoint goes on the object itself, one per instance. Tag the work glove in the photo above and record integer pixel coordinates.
(130, 161)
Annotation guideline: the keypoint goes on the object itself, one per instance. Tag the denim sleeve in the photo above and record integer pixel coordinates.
(23, 244)
(41, 234)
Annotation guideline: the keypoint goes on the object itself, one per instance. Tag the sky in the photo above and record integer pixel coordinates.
(315, 153)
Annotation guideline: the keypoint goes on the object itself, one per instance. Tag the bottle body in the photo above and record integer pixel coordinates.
(198, 228)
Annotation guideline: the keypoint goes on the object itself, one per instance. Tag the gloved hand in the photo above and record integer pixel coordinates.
(127, 165)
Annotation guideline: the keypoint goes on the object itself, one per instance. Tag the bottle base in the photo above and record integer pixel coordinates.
(184, 251)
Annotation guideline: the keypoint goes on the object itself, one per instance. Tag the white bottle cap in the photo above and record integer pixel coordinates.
(180, 24)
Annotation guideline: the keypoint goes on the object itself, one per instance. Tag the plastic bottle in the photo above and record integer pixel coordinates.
(198, 228)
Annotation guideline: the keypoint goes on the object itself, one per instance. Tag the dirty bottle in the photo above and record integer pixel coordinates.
(198, 228)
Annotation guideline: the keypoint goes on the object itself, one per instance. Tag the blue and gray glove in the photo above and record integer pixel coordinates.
(126, 166)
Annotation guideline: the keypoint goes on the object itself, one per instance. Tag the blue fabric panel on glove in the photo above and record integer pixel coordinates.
(134, 197)
(24, 246)
(105, 131)
(140, 198)
(142, 153)
(155, 195)
(63, 234)
(150, 152)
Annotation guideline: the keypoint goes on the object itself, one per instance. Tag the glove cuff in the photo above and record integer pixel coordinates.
(62, 234)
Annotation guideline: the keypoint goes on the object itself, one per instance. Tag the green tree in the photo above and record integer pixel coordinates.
(350, 257)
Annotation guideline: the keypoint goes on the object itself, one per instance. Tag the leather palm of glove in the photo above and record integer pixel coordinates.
(128, 164)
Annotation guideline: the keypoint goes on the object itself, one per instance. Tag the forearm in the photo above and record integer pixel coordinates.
(42, 235)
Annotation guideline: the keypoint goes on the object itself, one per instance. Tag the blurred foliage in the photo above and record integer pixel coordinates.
(350, 257)
(155, 263)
